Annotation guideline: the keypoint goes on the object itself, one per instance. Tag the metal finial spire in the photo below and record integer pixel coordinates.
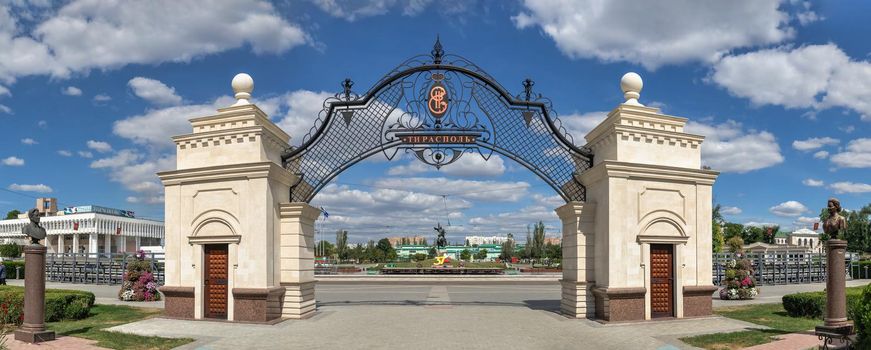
(527, 88)
(346, 87)
(437, 51)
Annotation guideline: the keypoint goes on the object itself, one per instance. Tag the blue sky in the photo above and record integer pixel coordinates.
(90, 93)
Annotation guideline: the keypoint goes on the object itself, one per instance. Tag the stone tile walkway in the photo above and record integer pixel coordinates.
(422, 327)
(61, 343)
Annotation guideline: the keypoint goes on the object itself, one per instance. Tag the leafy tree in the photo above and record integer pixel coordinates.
(768, 233)
(507, 250)
(10, 250)
(717, 222)
(553, 251)
(419, 257)
(385, 249)
(481, 254)
(465, 254)
(324, 248)
(467, 243)
(432, 252)
(736, 244)
(752, 234)
(858, 232)
(731, 229)
(12, 214)
(342, 244)
(537, 249)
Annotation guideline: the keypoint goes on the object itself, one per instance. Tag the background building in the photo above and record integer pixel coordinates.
(87, 229)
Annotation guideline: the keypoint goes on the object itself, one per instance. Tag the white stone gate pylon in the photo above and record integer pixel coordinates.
(640, 247)
(235, 248)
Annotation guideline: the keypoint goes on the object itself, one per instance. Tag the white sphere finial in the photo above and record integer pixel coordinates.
(631, 85)
(242, 85)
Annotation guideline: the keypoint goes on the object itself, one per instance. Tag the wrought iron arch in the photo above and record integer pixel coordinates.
(437, 107)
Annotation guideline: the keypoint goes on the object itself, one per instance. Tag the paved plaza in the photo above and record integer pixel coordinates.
(438, 316)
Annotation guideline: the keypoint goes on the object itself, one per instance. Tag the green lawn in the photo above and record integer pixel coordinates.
(105, 316)
(771, 315)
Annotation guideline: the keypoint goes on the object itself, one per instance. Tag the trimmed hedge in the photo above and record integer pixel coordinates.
(861, 316)
(813, 304)
(60, 304)
(10, 269)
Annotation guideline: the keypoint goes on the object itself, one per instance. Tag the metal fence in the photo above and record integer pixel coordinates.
(97, 268)
(786, 267)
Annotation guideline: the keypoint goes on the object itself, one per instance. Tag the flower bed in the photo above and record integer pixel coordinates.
(139, 283)
(60, 304)
(739, 283)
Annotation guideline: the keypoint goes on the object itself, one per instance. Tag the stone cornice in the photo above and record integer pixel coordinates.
(611, 169)
(299, 209)
(227, 172)
(243, 115)
(570, 210)
(642, 123)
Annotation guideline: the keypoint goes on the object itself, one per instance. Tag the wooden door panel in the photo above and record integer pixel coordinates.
(662, 280)
(215, 281)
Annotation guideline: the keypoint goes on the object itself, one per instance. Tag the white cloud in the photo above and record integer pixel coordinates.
(71, 91)
(814, 143)
(89, 34)
(492, 191)
(5, 109)
(42, 124)
(813, 76)
(759, 224)
(857, 155)
(806, 220)
(29, 141)
(12, 161)
(355, 10)
(303, 107)
(154, 91)
(65, 153)
(850, 187)
(4, 91)
(156, 127)
(85, 154)
(578, 125)
(99, 146)
(788, 208)
(137, 173)
(102, 98)
(730, 210)
(728, 148)
(648, 33)
(821, 155)
(813, 182)
(412, 168)
(31, 188)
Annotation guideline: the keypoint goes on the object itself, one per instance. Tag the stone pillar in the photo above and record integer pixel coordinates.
(61, 244)
(578, 260)
(121, 243)
(76, 244)
(93, 244)
(297, 259)
(32, 330)
(107, 244)
(836, 293)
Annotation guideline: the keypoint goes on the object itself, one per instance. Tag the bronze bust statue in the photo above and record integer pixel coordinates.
(33, 229)
(835, 224)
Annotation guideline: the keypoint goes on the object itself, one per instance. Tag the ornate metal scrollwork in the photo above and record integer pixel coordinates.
(437, 108)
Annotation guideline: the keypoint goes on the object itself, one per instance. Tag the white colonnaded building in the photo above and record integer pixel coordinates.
(86, 229)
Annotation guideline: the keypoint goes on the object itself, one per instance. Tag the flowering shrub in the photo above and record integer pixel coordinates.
(738, 282)
(138, 281)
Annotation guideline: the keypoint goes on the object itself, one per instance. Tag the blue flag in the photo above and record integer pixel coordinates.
(326, 215)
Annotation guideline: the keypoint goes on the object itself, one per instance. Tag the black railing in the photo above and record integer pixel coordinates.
(97, 268)
(785, 267)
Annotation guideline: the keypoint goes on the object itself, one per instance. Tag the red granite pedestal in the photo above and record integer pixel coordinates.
(836, 324)
(32, 330)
